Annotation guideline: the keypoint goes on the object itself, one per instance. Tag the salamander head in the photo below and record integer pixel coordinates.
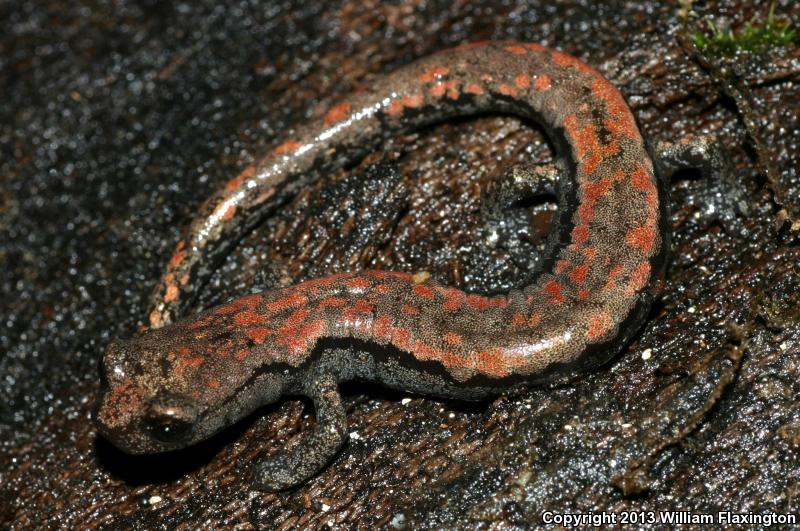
(173, 387)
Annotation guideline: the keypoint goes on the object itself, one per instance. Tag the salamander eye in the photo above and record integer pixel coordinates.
(170, 419)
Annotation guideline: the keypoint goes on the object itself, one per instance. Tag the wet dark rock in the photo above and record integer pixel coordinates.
(119, 118)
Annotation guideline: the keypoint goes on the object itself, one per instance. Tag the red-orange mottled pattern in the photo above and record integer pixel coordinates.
(593, 283)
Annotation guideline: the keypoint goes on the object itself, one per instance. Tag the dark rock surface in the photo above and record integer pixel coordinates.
(119, 118)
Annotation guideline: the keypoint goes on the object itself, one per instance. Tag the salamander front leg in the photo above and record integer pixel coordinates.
(292, 467)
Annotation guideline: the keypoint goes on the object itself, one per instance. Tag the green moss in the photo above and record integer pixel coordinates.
(754, 37)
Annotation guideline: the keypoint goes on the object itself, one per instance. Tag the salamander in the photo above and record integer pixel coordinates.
(185, 379)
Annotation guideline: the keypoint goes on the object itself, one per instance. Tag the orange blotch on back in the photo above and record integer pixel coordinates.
(599, 325)
(358, 283)
(454, 299)
(291, 300)
(258, 335)
(358, 309)
(423, 291)
(553, 290)
(586, 212)
(641, 238)
(337, 113)
(409, 310)
(397, 106)
(413, 101)
(473, 88)
(507, 90)
(424, 352)
(580, 234)
(516, 49)
(522, 81)
(582, 136)
(615, 272)
(591, 193)
(298, 338)
(492, 363)
(452, 338)
(640, 276)
(578, 274)
(402, 339)
(590, 252)
(563, 59)
(176, 259)
(607, 150)
(434, 73)
(498, 302)
(450, 88)
(190, 362)
(297, 317)
(332, 302)
(641, 179)
(234, 183)
(248, 318)
(478, 302)
(543, 82)
(595, 190)
(363, 306)
(622, 127)
(287, 147)
(171, 293)
(155, 319)
(562, 265)
(383, 327)
(620, 121)
(618, 176)
(592, 162)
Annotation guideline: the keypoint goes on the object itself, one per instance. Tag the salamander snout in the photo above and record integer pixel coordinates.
(170, 418)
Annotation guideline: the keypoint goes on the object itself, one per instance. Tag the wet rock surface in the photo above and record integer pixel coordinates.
(118, 119)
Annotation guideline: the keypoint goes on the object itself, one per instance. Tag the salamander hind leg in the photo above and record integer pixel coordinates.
(297, 465)
(722, 197)
(519, 183)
